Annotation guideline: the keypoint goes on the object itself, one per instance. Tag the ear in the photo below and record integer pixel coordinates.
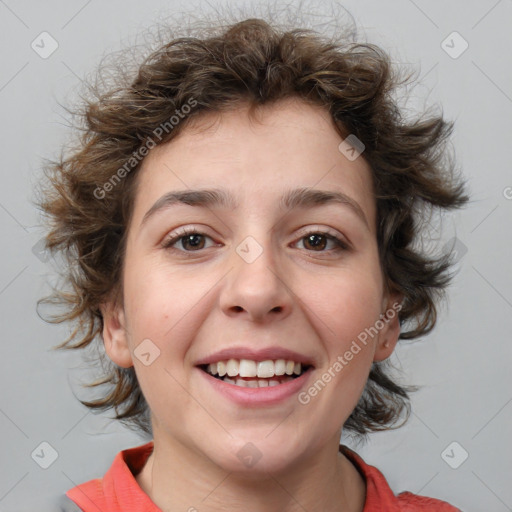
(115, 334)
(388, 335)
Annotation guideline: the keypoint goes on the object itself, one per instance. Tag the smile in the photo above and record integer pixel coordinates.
(255, 374)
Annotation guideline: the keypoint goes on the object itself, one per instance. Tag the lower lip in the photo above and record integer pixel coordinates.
(258, 396)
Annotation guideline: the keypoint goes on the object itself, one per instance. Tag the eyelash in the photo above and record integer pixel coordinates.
(167, 244)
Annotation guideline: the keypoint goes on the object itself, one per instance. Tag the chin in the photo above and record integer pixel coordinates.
(255, 459)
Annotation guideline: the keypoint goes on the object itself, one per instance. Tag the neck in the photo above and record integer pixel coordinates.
(178, 478)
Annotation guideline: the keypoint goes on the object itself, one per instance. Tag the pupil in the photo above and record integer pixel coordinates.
(317, 243)
(192, 239)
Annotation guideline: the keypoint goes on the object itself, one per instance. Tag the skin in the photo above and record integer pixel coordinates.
(311, 300)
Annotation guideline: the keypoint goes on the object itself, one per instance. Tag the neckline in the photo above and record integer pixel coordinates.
(131, 461)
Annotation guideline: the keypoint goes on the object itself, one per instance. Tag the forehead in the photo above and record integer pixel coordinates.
(257, 155)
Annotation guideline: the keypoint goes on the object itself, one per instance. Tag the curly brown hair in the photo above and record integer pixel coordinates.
(253, 62)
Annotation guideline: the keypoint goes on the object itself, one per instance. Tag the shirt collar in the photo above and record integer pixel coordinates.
(120, 491)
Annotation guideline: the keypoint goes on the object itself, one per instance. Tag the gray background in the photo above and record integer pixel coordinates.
(463, 365)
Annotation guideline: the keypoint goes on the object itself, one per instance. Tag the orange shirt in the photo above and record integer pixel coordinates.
(118, 491)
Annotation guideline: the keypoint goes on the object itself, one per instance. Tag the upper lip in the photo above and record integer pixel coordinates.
(262, 354)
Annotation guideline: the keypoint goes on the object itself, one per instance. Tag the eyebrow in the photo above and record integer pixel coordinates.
(295, 198)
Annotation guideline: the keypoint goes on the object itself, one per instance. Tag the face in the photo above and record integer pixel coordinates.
(267, 276)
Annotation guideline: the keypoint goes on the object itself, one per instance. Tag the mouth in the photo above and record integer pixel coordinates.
(248, 373)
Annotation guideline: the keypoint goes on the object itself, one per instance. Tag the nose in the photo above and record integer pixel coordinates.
(256, 288)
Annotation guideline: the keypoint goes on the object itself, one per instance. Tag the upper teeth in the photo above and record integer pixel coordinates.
(249, 368)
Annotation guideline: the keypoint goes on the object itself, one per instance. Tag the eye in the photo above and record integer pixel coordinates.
(192, 240)
(189, 238)
(318, 240)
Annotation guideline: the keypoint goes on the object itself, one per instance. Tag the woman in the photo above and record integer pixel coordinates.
(240, 224)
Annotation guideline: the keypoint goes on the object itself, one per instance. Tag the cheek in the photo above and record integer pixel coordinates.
(353, 306)
(349, 349)
(164, 310)
(346, 315)
(347, 303)
(158, 300)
